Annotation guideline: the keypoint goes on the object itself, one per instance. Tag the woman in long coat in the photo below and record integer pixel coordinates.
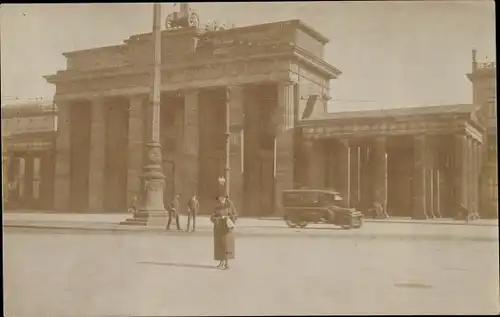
(223, 219)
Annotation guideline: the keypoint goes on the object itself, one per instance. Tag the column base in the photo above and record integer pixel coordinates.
(419, 217)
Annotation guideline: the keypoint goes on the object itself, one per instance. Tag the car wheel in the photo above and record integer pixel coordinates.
(347, 224)
(302, 224)
(359, 223)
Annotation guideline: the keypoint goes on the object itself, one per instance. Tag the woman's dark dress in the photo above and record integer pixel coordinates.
(223, 236)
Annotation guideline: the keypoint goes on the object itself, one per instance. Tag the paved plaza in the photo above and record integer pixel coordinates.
(58, 273)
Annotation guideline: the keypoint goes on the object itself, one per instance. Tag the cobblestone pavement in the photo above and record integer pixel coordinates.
(139, 275)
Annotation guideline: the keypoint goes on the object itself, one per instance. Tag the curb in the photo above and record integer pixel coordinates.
(458, 223)
(283, 234)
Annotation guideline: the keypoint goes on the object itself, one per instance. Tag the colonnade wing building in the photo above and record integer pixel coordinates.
(29, 132)
(281, 135)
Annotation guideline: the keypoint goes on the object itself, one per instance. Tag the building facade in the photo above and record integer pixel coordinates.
(28, 155)
(270, 74)
(417, 162)
(421, 162)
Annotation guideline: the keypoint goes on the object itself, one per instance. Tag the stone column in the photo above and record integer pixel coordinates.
(190, 161)
(354, 175)
(343, 172)
(476, 180)
(380, 171)
(436, 191)
(28, 179)
(460, 173)
(418, 179)
(284, 143)
(236, 118)
(136, 139)
(429, 172)
(365, 179)
(62, 173)
(179, 170)
(97, 165)
(47, 168)
(471, 182)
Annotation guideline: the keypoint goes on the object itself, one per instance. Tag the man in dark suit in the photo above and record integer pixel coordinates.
(193, 207)
(173, 211)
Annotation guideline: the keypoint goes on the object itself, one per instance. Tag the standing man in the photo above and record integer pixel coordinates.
(193, 207)
(173, 211)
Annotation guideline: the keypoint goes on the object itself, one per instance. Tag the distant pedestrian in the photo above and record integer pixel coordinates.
(193, 207)
(133, 206)
(173, 211)
(224, 219)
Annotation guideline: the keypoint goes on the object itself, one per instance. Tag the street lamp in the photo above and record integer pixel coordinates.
(152, 177)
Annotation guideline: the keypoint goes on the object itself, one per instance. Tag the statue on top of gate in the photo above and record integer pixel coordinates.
(185, 18)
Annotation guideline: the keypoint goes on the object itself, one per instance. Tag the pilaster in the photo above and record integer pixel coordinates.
(62, 170)
(135, 147)
(284, 142)
(97, 156)
(190, 164)
(418, 180)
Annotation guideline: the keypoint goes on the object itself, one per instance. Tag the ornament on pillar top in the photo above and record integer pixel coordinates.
(185, 18)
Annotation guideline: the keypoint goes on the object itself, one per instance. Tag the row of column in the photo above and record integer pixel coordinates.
(28, 180)
(360, 171)
(186, 158)
(468, 158)
(97, 155)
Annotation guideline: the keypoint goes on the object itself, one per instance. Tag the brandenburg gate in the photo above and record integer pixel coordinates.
(270, 74)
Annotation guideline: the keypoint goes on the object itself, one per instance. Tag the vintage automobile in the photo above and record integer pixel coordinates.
(305, 206)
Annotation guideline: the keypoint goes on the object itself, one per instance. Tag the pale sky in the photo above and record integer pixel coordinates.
(393, 54)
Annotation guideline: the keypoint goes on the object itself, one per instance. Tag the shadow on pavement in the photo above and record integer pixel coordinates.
(171, 264)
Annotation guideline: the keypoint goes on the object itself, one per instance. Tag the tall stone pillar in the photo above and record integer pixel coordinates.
(284, 143)
(28, 179)
(354, 175)
(343, 172)
(436, 191)
(136, 139)
(190, 160)
(429, 176)
(62, 173)
(47, 168)
(460, 173)
(418, 179)
(365, 179)
(97, 156)
(475, 178)
(236, 113)
(380, 171)
(471, 183)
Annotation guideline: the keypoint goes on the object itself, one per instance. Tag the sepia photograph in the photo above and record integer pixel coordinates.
(249, 158)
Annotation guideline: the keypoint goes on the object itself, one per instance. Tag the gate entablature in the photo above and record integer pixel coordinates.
(192, 58)
(436, 120)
